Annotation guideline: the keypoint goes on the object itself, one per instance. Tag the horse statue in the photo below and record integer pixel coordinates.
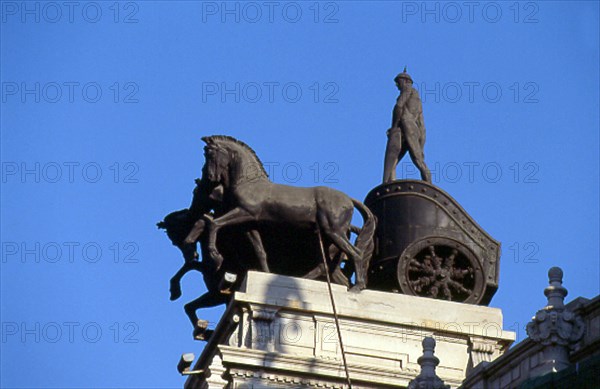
(178, 226)
(186, 229)
(251, 198)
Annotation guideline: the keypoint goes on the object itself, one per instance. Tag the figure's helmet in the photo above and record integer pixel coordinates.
(403, 75)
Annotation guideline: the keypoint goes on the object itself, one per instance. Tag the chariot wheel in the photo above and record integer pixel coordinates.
(441, 268)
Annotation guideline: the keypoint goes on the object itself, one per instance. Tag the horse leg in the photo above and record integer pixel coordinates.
(175, 282)
(360, 266)
(330, 251)
(316, 272)
(259, 249)
(208, 299)
(190, 254)
(195, 232)
(189, 244)
(349, 269)
(342, 242)
(235, 216)
(336, 256)
(337, 275)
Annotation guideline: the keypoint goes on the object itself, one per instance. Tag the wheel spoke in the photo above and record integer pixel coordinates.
(441, 271)
(433, 291)
(437, 262)
(459, 287)
(447, 292)
(449, 262)
(432, 251)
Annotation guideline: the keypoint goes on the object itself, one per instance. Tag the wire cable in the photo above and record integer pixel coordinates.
(335, 316)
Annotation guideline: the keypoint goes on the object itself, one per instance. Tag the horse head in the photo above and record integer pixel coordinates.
(230, 161)
(217, 164)
(177, 226)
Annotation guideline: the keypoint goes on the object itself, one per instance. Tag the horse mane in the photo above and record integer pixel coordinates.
(226, 138)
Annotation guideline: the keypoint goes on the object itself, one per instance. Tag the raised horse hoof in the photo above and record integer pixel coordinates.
(203, 336)
(175, 294)
(201, 331)
(227, 283)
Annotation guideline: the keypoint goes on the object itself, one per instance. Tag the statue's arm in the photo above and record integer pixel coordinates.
(423, 132)
(399, 107)
(396, 112)
(394, 116)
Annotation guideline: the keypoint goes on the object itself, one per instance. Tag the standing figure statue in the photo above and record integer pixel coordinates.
(407, 133)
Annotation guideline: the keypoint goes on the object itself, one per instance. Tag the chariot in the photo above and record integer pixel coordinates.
(427, 245)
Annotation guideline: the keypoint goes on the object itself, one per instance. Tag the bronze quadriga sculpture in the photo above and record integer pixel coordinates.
(415, 239)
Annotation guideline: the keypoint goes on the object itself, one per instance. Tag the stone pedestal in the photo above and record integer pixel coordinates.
(279, 331)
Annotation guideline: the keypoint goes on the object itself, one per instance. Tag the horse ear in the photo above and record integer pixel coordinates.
(208, 140)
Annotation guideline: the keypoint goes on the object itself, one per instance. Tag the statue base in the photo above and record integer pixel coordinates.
(279, 331)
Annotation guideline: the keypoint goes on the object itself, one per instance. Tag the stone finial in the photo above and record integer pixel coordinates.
(555, 327)
(555, 292)
(427, 379)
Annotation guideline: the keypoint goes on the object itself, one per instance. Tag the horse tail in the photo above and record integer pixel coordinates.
(364, 240)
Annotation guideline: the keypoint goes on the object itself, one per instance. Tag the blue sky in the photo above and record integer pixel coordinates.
(104, 104)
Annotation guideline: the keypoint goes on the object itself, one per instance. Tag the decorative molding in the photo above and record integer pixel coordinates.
(282, 379)
(263, 333)
(264, 314)
(482, 350)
